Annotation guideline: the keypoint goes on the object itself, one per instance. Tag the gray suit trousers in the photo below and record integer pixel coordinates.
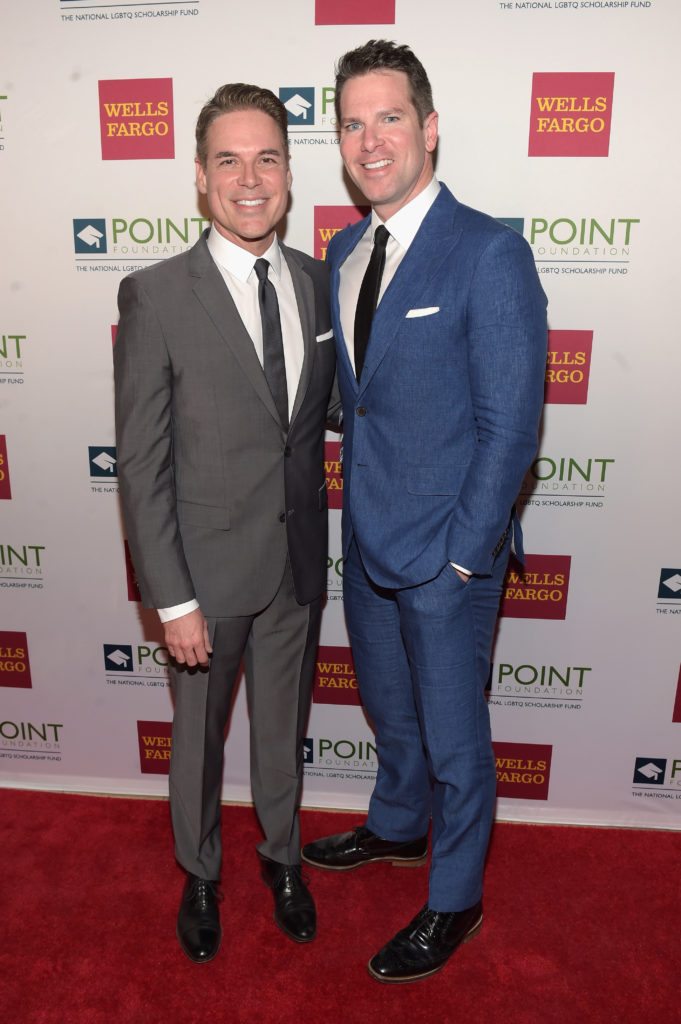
(278, 646)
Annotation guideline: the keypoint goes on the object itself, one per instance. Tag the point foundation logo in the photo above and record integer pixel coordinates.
(340, 758)
(329, 220)
(142, 665)
(523, 770)
(136, 119)
(15, 668)
(604, 243)
(11, 358)
(30, 741)
(155, 744)
(103, 472)
(335, 681)
(564, 481)
(571, 113)
(21, 565)
(568, 364)
(533, 686)
(333, 471)
(539, 590)
(125, 238)
(354, 12)
(334, 568)
(5, 485)
(657, 778)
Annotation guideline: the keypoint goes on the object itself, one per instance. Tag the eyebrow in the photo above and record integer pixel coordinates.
(379, 113)
(262, 152)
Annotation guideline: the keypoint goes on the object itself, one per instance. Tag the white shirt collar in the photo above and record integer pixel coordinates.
(238, 261)
(404, 224)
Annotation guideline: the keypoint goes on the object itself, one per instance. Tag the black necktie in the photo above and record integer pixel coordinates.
(272, 343)
(368, 296)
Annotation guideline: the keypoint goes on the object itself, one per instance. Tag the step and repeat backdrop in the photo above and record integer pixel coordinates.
(557, 118)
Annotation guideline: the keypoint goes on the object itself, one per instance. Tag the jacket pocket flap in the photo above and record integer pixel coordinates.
(203, 515)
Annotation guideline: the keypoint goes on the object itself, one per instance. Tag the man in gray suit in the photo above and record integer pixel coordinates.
(224, 365)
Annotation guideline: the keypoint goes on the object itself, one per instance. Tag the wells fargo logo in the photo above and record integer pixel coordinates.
(523, 770)
(333, 471)
(329, 220)
(133, 588)
(5, 486)
(136, 119)
(676, 717)
(15, 669)
(354, 12)
(568, 363)
(335, 681)
(155, 740)
(571, 113)
(539, 590)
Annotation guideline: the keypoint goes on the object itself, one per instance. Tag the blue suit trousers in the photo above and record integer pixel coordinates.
(422, 656)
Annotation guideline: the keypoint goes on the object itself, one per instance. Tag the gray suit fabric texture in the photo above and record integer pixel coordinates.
(222, 504)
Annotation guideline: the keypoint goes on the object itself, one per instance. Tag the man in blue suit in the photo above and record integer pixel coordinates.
(440, 323)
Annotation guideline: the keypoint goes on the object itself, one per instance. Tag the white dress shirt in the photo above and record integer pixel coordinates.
(236, 265)
(403, 227)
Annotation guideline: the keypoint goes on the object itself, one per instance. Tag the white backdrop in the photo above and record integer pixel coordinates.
(585, 689)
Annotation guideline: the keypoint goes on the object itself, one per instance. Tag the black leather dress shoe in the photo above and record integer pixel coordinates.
(294, 909)
(425, 945)
(351, 849)
(198, 920)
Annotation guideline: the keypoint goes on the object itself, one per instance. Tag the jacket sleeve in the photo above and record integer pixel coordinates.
(143, 389)
(507, 341)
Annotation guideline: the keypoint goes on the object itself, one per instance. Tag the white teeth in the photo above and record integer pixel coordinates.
(250, 202)
(378, 163)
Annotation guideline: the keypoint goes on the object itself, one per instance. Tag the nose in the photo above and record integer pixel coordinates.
(371, 139)
(249, 176)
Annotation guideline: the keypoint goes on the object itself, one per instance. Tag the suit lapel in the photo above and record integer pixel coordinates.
(432, 247)
(305, 299)
(213, 294)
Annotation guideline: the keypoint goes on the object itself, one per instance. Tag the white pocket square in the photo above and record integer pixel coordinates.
(325, 337)
(426, 311)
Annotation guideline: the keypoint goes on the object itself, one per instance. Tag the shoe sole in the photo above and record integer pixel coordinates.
(397, 862)
(290, 935)
(203, 960)
(427, 974)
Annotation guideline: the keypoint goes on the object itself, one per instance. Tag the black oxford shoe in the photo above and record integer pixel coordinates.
(294, 909)
(198, 920)
(360, 846)
(425, 945)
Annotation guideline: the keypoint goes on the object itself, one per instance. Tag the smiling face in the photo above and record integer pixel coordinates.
(246, 177)
(386, 152)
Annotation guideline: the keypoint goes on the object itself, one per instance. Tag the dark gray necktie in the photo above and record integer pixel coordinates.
(272, 342)
(368, 296)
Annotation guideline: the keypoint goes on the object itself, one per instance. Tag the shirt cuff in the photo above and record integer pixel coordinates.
(168, 614)
(467, 572)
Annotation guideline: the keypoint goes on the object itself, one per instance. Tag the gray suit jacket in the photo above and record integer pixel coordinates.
(214, 492)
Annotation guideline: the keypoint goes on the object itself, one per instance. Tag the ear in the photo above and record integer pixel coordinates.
(430, 126)
(200, 177)
(289, 178)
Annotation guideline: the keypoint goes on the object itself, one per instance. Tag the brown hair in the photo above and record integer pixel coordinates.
(384, 55)
(238, 96)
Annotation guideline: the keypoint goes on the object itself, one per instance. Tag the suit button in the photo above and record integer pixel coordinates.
(361, 411)
(282, 517)
(287, 451)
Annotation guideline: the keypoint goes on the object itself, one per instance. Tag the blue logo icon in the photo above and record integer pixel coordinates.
(650, 771)
(670, 585)
(118, 658)
(89, 236)
(308, 750)
(102, 461)
(299, 105)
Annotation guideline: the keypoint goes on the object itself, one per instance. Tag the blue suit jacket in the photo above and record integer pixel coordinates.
(444, 422)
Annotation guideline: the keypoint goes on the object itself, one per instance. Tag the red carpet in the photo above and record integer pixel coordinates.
(581, 927)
